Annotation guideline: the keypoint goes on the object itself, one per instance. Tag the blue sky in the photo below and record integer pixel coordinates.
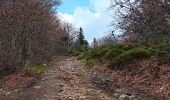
(68, 6)
(92, 15)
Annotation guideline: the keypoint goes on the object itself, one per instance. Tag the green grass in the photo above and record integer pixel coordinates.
(39, 68)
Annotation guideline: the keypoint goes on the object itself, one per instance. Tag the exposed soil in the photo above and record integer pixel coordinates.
(65, 80)
(68, 79)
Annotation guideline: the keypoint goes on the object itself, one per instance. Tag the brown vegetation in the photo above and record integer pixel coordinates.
(146, 75)
(30, 33)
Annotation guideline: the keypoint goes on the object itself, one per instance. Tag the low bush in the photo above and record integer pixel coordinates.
(93, 53)
(115, 54)
(112, 53)
(77, 53)
(105, 52)
(136, 53)
(162, 47)
(102, 52)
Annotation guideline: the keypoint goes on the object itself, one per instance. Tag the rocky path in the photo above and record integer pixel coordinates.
(65, 80)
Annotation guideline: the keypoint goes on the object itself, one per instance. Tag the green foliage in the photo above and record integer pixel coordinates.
(82, 44)
(39, 68)
(99, 52)
(128, 46)
(77, 53)
(90, 62)
(112, 53)
(115, 54)
(81, 37)
(135, 53)
(155, 42)
(162, 47)
(105, 52)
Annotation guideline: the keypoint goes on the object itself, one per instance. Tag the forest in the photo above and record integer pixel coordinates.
(36, 44)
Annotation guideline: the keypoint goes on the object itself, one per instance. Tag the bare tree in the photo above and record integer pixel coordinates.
(107, 40)
(30, 32)
(72, 35)
(143, 19)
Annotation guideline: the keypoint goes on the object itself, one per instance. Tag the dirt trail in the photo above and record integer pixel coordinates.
(65, 80)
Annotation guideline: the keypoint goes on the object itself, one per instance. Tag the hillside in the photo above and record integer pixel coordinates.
(140, 69)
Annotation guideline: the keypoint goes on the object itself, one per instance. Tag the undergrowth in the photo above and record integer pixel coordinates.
(115, 55)
(135, 53)
(38, 68)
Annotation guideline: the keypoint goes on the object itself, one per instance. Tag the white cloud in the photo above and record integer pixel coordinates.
(100, 5)
(94, 23)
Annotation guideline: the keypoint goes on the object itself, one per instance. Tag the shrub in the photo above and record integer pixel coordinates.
(112, 53)
(161, 47)
(101, 52)
(77, 53)
(127, 56)
(89, 62)
(128, 46)
(115, 54)
(106, 52)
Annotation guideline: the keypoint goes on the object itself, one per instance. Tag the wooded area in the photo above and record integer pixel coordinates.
(32, 34)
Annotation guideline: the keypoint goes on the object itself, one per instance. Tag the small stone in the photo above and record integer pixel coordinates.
(7, 93)
(116, 95)
(133, 97)
(118, 90)
(37, 87)
(71, 98)
(124, 97)
(3, 92)
(16, 90)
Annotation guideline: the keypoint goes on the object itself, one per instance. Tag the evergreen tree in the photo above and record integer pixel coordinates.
(95, 44)
(82, 43)
(81, 37)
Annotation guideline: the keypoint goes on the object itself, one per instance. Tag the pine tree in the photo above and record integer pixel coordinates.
(81, 40)
(81, 37)
(95, 44)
